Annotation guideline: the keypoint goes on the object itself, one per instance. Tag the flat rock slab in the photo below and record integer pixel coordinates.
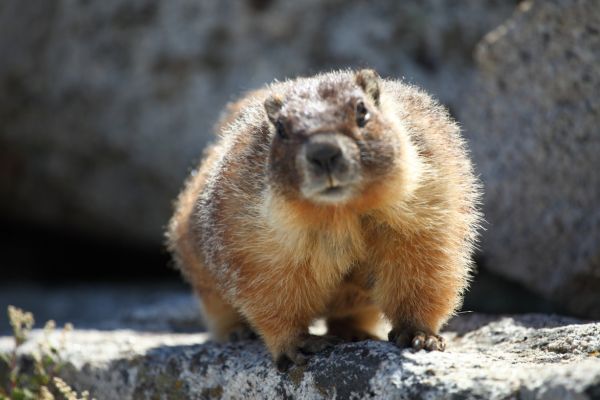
(531, 356)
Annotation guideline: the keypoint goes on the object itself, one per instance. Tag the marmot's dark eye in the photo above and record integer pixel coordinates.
(362, 114)
(280, 127)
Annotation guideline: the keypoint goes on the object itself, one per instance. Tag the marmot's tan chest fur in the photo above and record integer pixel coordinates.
(344, 196)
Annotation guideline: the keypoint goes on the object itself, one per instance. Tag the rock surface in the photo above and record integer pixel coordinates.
(104, 106)
(533, 125)
(530, 357)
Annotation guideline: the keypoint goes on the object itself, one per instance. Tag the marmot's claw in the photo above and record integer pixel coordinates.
(285, 360)
(299, 352)
(418, 340)
(429, 342)
(435, 342)
(283, 363)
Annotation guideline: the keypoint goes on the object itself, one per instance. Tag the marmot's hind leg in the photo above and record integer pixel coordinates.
(224, 322)
(222, 319)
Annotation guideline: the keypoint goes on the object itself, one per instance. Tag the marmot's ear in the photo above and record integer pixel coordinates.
(368, 80)
(273, 104)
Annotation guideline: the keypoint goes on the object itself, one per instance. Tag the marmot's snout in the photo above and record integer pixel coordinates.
(330, 167)
(325, 156)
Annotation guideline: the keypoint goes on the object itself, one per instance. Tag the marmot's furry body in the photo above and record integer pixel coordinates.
(344, 196)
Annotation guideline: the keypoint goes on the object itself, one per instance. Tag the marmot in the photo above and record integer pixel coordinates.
(344, 196)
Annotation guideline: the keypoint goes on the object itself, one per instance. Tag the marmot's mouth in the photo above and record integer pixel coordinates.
(333, 194)
(330, 189)
(333, 190)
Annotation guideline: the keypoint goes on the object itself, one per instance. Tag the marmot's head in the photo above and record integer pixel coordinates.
(330, 138)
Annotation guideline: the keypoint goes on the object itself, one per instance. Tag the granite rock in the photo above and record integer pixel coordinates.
(533, 120)
(528, 357)
(106, 106)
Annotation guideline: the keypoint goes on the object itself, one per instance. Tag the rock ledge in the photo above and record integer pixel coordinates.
(530, 356)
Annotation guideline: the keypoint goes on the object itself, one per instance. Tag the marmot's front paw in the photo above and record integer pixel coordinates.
(300, 350)
(417, 340)
(429, 342)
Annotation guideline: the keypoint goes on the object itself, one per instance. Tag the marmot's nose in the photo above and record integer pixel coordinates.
(323, 156)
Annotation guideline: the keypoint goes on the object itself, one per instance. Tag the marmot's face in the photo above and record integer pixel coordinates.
(330, 139)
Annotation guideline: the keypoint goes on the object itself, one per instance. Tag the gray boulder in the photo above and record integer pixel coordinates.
(105, 106)
(529, 357)
(533, 122)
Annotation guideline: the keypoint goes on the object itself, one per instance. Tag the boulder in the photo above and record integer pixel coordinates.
(533, 120)
(528, 356)
(106, 106)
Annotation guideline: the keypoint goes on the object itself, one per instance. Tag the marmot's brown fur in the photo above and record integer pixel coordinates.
(343, 196)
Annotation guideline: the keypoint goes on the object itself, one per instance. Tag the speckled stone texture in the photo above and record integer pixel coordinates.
(533, 123)
(526, 357)
(105, 106)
